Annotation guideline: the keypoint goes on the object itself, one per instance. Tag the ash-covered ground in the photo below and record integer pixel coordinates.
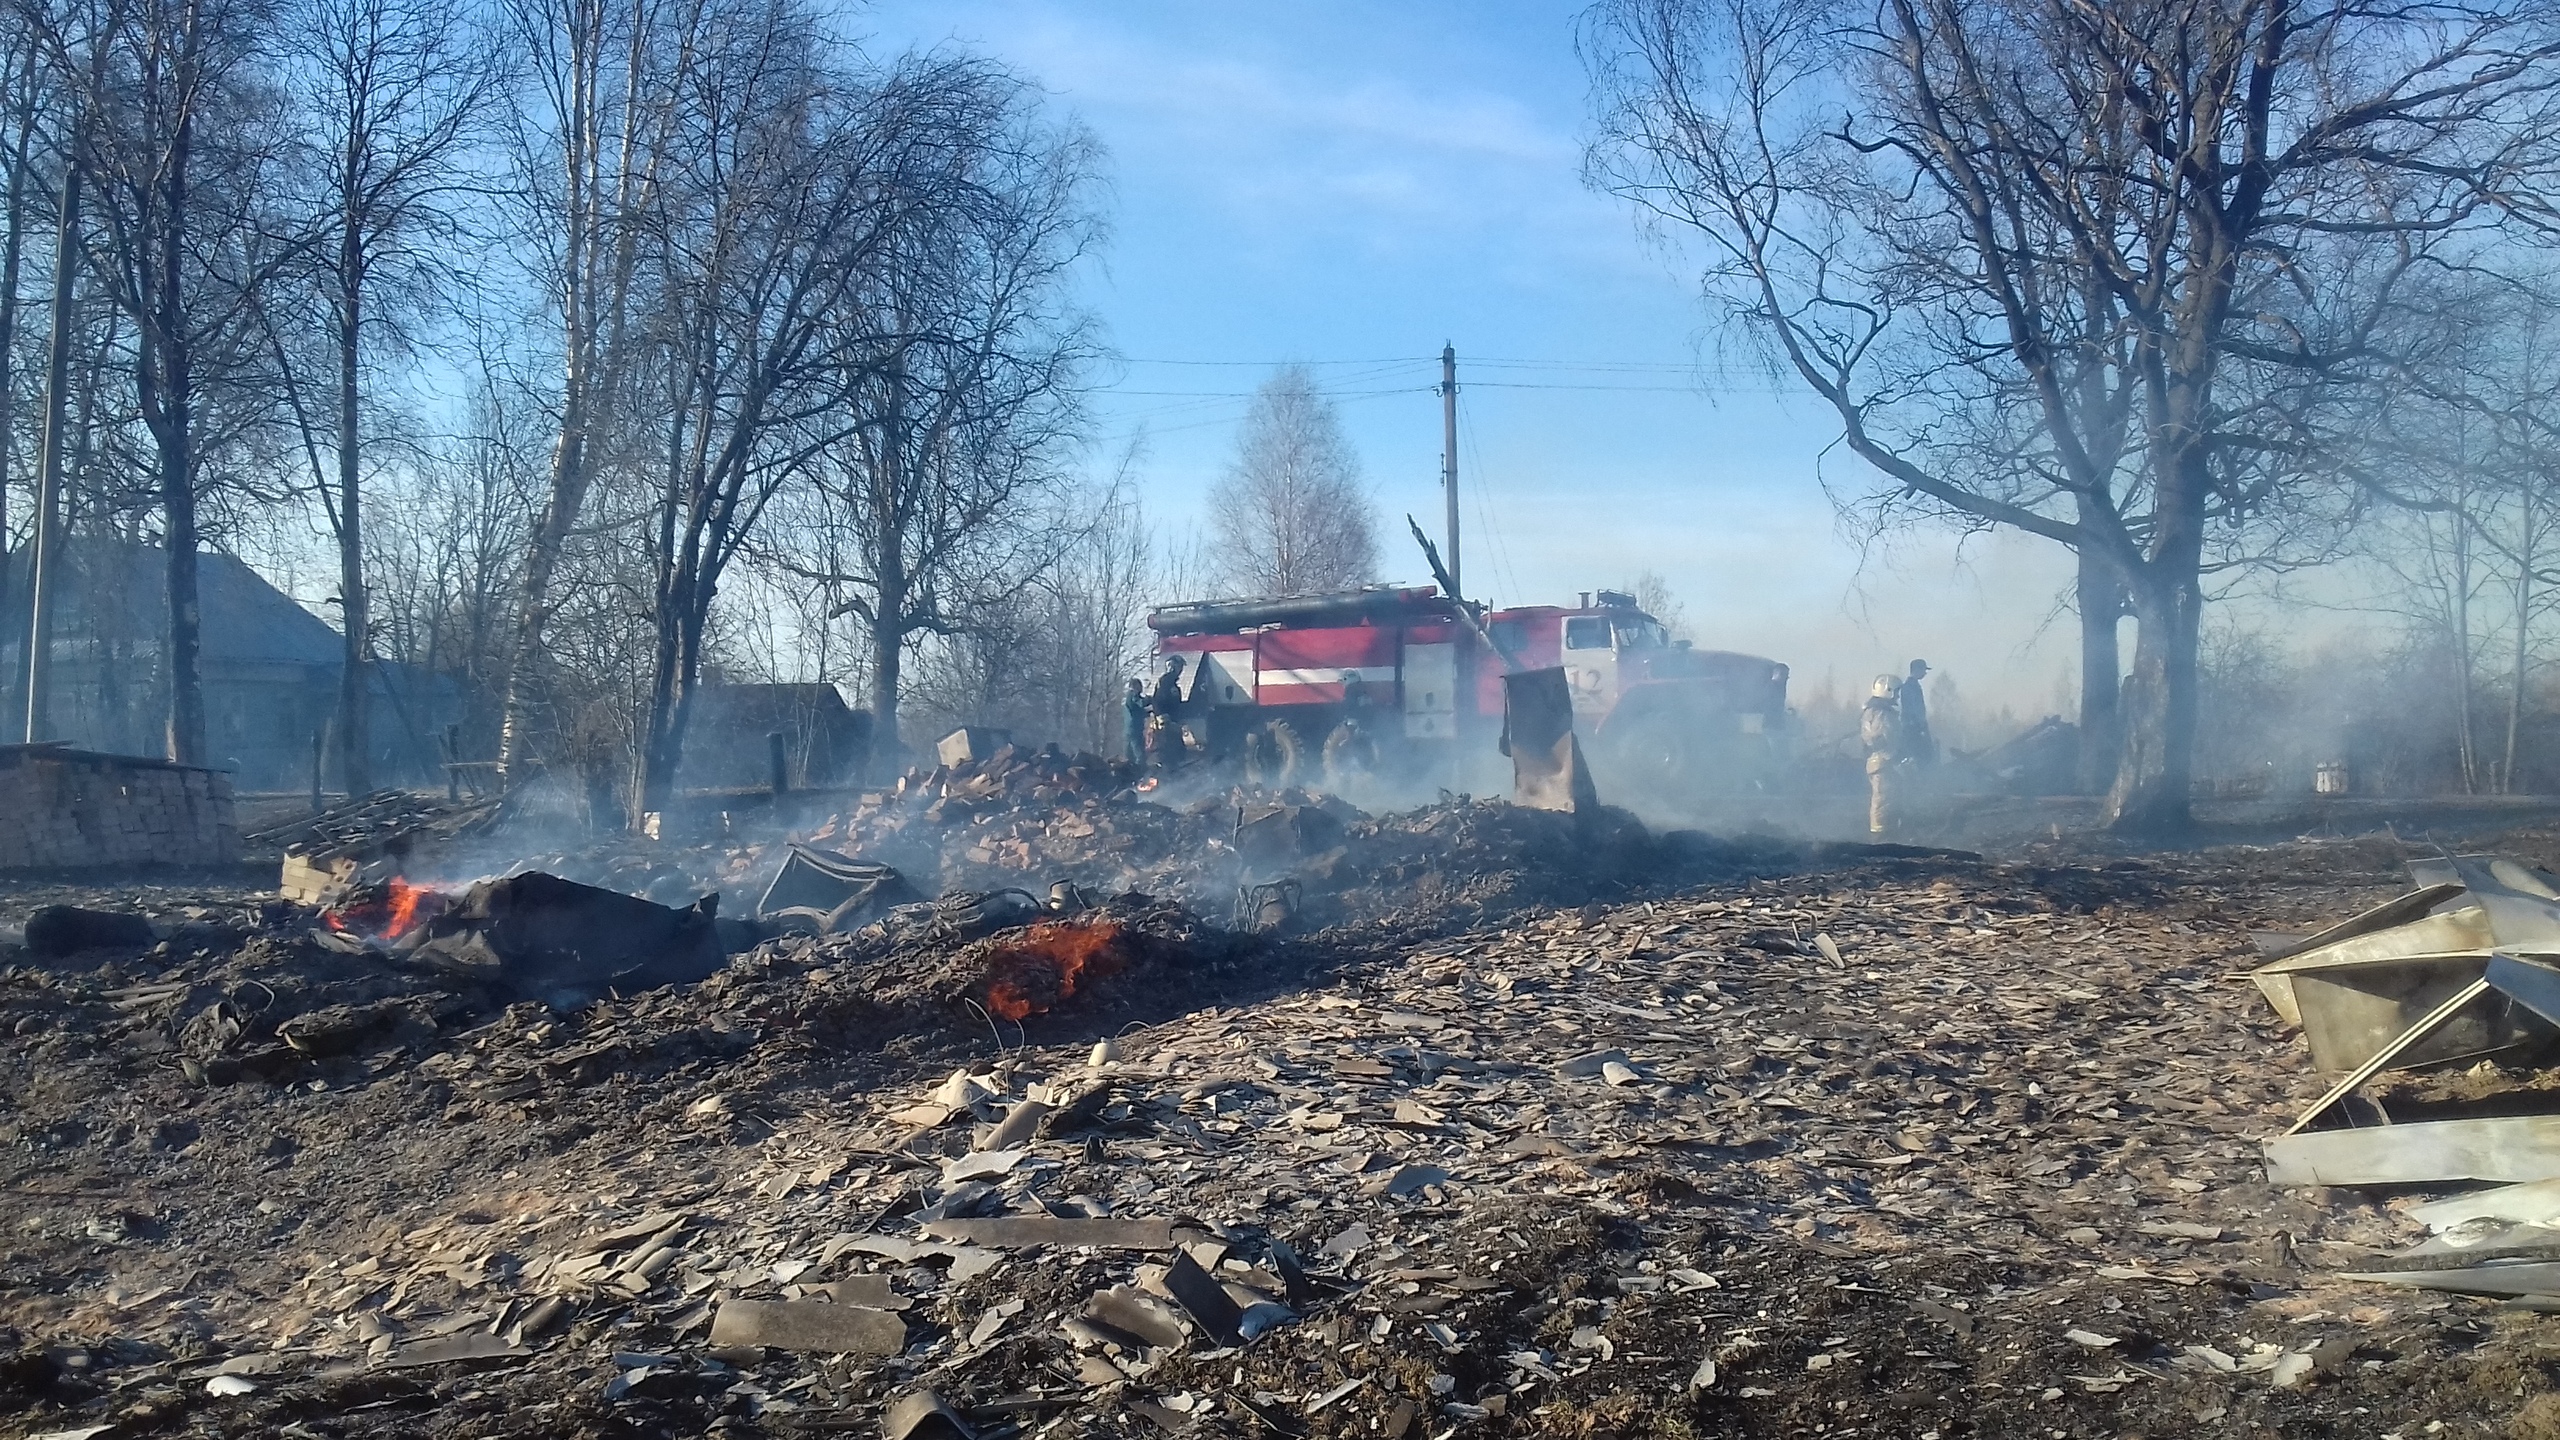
(1519, 1126)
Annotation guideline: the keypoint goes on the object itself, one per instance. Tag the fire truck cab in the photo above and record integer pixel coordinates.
(1403, 664)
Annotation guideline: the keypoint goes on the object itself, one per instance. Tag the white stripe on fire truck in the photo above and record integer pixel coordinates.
(1324, 675)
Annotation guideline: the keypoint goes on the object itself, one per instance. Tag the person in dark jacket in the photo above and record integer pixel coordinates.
(1166, 705)
(1133, 713)
(1918, 745)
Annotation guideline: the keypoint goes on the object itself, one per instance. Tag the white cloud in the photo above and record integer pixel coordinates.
(1307, 140)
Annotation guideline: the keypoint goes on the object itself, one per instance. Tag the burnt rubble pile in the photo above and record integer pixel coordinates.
(401, 834)
(388, 972)
(842, 953)
(397, 976)
(1043, 826)
(1602, 1131)
(369, 839)
(1036, 820)
(1920, 1145)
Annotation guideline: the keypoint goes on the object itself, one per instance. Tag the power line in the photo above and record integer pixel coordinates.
(1627, 389)
(1482, 490)
(1667, 366)
(1231, 418)
(1284, 364)
(1661, 366)
(1701, 375)
(1506, 362)
(1249, 394)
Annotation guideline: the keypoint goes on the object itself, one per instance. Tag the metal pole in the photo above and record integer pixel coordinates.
(1449, 452)
(48, 524)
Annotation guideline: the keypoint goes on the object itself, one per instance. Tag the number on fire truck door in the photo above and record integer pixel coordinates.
(1431, 691)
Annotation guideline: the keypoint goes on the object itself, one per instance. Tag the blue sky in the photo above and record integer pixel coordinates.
(1349, 186)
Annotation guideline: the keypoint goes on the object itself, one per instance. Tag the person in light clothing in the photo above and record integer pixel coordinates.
(1880, 731)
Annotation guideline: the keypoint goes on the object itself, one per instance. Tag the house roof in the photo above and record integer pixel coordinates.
(785, 706)
(122, 588)
(55, 752)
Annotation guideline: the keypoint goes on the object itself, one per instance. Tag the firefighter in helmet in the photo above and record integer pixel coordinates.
(1351, 750)
(1165, 705)
(1133, 714)
(1880, 731)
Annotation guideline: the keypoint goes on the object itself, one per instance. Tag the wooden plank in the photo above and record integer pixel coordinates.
(2510, 1149)
(808, 1325)
(1012, 1231)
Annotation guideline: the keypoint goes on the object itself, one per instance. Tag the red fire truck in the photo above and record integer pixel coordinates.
(1652, 712)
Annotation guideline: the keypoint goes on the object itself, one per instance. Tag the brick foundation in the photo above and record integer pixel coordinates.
(63, 809)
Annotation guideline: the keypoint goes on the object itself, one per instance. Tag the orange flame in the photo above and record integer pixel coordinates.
(405, 900)
(1031, 977)
(397, 909)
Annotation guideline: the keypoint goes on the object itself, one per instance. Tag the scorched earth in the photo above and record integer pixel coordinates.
(1760, 1140)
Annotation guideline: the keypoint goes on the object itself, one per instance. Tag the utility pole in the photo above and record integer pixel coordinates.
(43, 574)
(1449, 453)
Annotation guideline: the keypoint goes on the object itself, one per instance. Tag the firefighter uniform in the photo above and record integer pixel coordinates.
(1880, 731)
(1166, 704)
(1349, 753)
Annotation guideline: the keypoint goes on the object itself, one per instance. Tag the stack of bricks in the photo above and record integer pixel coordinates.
(75, 809)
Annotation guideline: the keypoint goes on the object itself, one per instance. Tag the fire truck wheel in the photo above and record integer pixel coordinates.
(1289, 756)
(1654, 754)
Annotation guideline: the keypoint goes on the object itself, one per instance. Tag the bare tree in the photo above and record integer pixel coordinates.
(941, 500)
(2474, 457)
(1653, 596)
(390, 97)
(590, 153)
(1289, 515)
(182, 136)
(19, 55)
(35, 646)
(2135, 244)
(441, 566)
(798, 182)
(1049, 664)
(779, 281)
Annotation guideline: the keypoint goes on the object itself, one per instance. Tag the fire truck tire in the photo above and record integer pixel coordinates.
(1288, 755)
(1653, 755)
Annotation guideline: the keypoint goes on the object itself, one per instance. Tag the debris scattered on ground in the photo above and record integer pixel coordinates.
(371, 839)
(539, 937)
(56, 931)
(1758, 1140)
(2460, 969)
(818, 893)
